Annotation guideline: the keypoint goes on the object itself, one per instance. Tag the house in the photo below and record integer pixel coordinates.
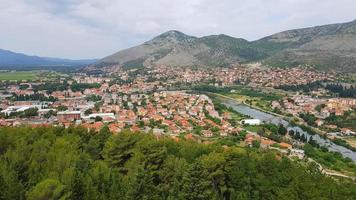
(95, 126)
(68, 116)
(319, 122)
(207, 133)
(346, 131)
(297, 153)
(284, 145)
(266, 143)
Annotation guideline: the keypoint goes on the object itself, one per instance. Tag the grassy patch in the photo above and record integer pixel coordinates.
(18, 75)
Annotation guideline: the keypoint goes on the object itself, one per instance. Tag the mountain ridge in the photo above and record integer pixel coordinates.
(327, 47)
(10, 59)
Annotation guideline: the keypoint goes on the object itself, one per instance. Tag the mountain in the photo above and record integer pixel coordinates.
(328, 47)
(12, 60)
(178, 49)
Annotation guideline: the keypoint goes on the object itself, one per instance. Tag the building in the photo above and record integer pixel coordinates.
(68, 116)
(297, 153)
(108, 116)
(253, 122)
(207, 133)
(14, 109)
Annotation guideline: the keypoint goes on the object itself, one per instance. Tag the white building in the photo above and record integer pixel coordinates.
(102, 115)
(13, 109)
(297, 153)
(253, 122)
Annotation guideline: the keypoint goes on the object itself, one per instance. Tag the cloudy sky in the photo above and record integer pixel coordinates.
(96, 28)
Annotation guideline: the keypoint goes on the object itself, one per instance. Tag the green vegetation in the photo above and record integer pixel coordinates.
(58, 163)
(52, 86)
(331, 160)
(342, 91)
(347, 78)
(75, 87)
(252, 96)
(18, 75)
(345, 121)
(93, 97)
(31, 112)
(33, 97)
(305, 87)
(343, 143)
(308, 118)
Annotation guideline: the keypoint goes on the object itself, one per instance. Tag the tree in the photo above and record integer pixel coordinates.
(47, 189)
(10, 186)
(256, 144)
(97, 142)
(49, 114)
(98, 119)
(118, 150)
(143, 187)
(312, 142)
(196, 184)
(73, 163)
(31, 112)
(88, 112)
(281, 129)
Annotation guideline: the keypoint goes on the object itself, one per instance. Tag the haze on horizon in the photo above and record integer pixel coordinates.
(96, 28)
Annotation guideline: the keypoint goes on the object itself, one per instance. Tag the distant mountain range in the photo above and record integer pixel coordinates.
(327, 47)
(12, 60)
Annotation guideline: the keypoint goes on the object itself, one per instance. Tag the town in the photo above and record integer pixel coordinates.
(161, 100)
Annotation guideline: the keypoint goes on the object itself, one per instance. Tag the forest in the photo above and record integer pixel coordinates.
(74, 163)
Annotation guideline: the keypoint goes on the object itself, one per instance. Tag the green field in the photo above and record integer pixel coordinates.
(18, 75)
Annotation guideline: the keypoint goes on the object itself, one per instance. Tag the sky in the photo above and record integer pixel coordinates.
(96, 28)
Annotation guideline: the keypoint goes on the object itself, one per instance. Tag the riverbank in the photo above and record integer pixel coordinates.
(300, 122)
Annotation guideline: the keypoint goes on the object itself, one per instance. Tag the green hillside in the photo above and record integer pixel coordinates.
(58, 163)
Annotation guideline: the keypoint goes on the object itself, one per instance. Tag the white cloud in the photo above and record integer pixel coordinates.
(95, 28)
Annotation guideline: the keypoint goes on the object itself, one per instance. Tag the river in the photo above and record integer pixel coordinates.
(257, 114)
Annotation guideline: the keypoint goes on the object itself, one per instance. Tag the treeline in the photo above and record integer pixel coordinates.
(58, 163)
(347, 120)
(303, 87)
(33, 97)
(341, 90)
(31, 112)
(51, 87)
(245, 91)
(75, 87)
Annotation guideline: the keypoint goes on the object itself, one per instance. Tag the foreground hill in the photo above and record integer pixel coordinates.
(12, 60)
(58, 163)
(328, 47)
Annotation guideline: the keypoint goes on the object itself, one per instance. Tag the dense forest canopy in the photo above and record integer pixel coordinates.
(57, 163)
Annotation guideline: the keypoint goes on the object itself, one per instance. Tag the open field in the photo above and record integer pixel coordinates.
(18, 75)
